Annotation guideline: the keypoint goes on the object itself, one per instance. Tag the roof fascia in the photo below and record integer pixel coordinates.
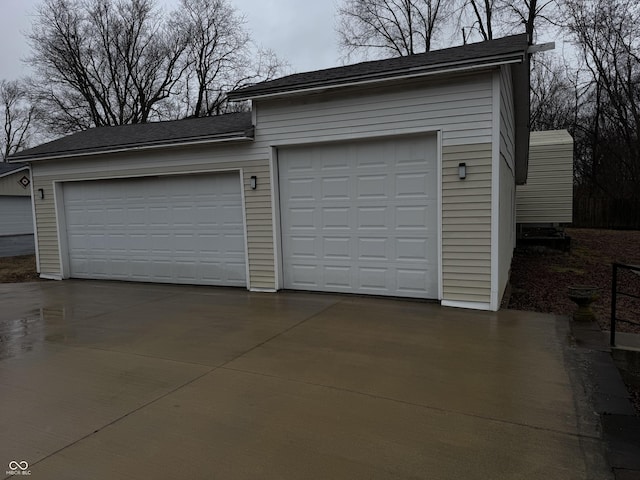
(13, 172)
(521, 81)
(237, 137)
(441, 69)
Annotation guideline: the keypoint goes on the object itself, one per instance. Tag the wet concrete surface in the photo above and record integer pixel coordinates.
(108, 380)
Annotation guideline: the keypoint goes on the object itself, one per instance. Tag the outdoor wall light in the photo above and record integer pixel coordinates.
(462, 170)
(254, 182)
(41, 191)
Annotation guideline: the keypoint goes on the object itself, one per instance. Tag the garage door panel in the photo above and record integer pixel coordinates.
(335, 248)
(412, 249)
(411, 185)
(183, 229)
(337, 277)
(365, 221)
(373, 187)
(373, 218)
(372, 248)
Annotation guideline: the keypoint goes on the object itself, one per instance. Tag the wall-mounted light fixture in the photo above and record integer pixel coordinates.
(41, 192)
(462, 170)
(254, 182)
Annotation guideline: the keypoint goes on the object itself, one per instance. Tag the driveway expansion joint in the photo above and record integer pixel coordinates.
(286, 330)
(128, 414)
(417, 405)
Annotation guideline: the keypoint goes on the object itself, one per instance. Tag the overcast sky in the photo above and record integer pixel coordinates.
(299, 31)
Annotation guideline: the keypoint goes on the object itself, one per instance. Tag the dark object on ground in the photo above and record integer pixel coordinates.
(584, 296)
(554, 238)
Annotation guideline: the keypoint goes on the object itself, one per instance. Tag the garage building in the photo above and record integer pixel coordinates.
(393, 177)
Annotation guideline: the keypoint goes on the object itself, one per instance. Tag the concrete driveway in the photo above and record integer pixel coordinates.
(107, 380)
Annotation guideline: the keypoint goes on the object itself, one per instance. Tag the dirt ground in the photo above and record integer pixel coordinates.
(18, 269)
(540, 278)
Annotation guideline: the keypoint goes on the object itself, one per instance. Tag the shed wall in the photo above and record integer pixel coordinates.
(9, 185)
(547, 196)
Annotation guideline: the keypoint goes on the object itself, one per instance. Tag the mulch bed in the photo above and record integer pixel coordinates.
(540, 277)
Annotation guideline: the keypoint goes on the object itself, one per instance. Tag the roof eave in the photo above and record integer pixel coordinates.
(404, 73)
(240, 136)
(13, 172)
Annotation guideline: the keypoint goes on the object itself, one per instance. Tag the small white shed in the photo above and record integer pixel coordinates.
(547, 197)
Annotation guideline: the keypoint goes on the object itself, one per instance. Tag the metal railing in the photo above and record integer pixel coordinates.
(614, 298)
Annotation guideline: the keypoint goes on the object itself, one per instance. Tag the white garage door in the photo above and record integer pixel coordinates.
(176, 229)
(16, 217)
(361, 217)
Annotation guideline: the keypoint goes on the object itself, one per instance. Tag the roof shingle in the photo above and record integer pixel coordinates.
(105, 139)
(436, 60)
(8, 168)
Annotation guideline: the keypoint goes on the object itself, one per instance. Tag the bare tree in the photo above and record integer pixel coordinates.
(485, 18)
(100, 62)
(115, 62)
(219, 56)
(477, 16)
(606, 33)
(389, 27)
(17, 117)
(529, 13)
(556, 94)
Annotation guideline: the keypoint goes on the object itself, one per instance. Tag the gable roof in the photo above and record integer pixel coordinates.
(11, 168)
(501, 50)
(232, 126)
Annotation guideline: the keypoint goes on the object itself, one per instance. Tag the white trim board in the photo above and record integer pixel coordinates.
(495, 194)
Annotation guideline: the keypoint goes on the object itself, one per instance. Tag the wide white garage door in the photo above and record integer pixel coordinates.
(16, 217)
(174, 229)
(361, 217)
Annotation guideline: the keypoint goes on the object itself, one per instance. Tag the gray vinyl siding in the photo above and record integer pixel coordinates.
(10, 185)
(506, 201)
(466, 223)
(460, 108)
(548, 195)
(169, 161)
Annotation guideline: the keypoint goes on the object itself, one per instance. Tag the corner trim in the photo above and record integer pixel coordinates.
(35, 221)
(467, 305)
(495, 193)
(47, 276)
